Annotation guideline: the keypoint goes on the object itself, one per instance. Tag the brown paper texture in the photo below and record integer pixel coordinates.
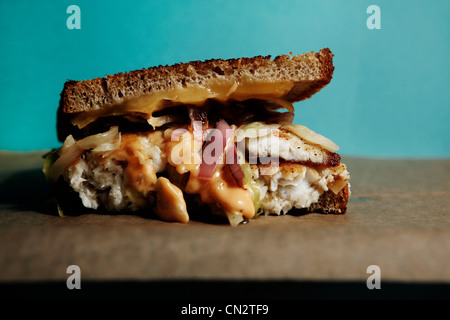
(398, 218)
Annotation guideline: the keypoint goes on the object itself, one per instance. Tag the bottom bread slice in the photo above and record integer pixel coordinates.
(329, 202)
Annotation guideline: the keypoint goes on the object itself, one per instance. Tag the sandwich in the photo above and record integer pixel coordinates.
(214, 136)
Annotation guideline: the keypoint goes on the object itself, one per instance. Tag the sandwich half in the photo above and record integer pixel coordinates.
(215, 134)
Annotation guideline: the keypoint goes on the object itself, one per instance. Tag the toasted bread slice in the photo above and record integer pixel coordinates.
(331, 203)
(288, 78)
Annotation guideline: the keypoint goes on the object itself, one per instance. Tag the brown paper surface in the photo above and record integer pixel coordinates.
(398, 219)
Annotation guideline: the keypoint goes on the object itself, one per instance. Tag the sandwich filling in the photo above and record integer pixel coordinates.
(239, 171)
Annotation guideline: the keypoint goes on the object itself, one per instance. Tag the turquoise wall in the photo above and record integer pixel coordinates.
(389, 96)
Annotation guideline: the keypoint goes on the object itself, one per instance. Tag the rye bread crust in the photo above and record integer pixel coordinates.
(309, 72)
(331, 203)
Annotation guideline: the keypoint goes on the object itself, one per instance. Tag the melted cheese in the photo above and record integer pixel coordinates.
(221, 189)
(224, 90)
(170, 204)
(140, 174)
(184, 154)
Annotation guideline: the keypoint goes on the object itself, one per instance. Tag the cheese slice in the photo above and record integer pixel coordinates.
(146, 105)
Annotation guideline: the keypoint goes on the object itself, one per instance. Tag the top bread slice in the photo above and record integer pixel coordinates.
(308, 73)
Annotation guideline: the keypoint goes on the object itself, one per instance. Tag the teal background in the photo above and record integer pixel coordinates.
(389, 96)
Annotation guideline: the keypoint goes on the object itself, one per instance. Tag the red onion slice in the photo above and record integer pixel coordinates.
(210, 159)
(221, 138)
(214, 147)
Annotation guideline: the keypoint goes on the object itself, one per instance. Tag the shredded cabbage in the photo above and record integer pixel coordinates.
(311, 136)
(49, 160)
(255, 130)
(72, 150)
(253, 187)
